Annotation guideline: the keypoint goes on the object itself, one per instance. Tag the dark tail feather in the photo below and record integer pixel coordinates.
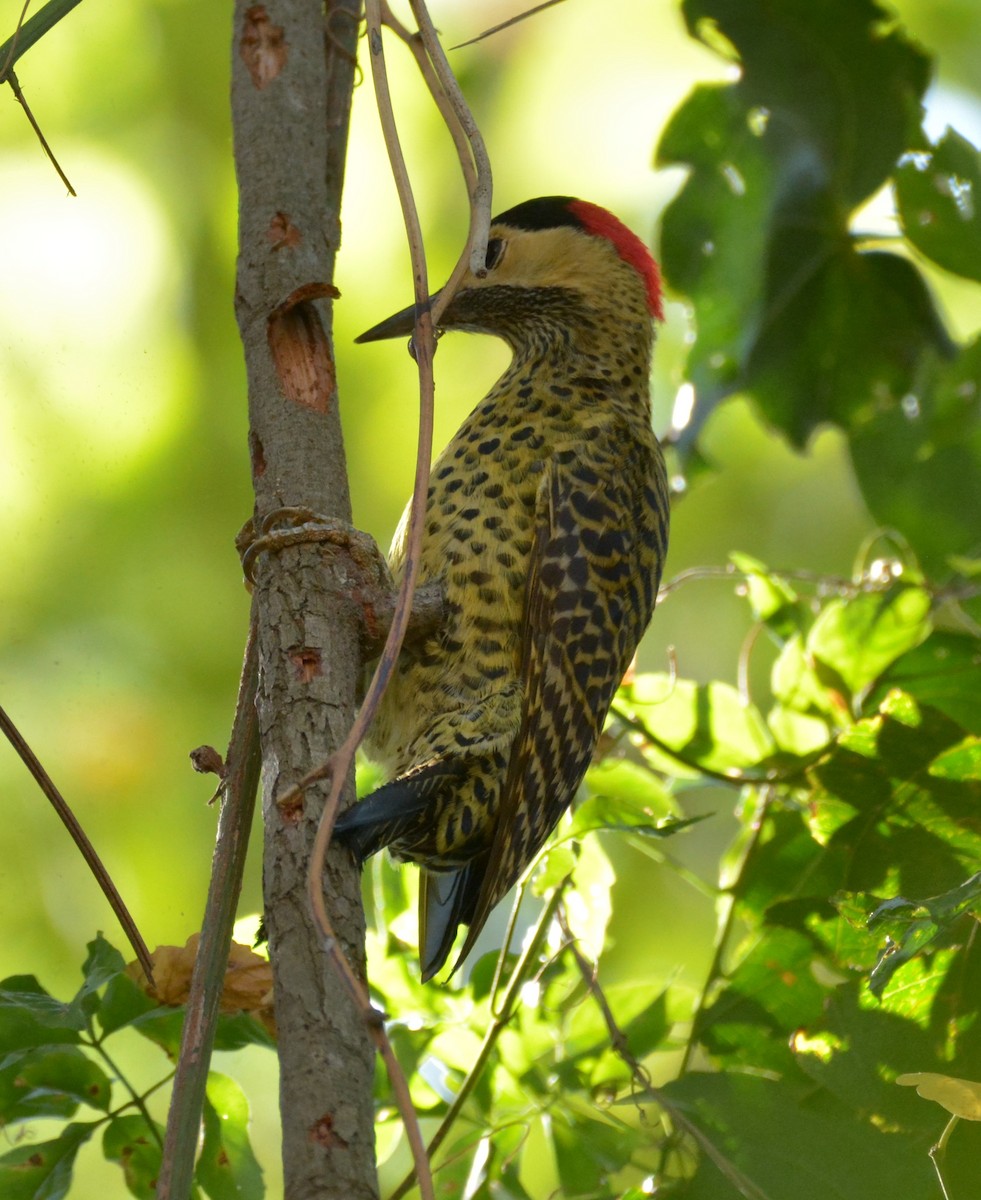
(386, 814)
(446, 901)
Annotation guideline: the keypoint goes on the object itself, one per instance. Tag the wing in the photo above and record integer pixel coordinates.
(601, 522)
(394, 809)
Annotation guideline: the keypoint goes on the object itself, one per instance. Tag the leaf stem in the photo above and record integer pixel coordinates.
(138, 1101)
(939, 1151)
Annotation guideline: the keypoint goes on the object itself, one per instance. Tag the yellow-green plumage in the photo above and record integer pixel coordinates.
(546, 524)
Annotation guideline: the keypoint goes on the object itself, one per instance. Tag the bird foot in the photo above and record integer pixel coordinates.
(369, 579)
(294, 526)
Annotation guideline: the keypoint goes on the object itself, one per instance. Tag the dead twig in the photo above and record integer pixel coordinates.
(507, 24)
(481, 188)
(22, 101)
(25, 35)
(240, 783)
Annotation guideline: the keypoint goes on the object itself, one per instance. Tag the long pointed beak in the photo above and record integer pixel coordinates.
(399, 324)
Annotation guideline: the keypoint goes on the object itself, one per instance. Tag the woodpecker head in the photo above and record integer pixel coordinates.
(553, 265)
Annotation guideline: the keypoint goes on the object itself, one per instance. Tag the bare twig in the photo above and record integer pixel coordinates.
(22, 100)
(10, 45)
(240, 784)
(482, 188)
(507, 24)
(25, 35)
(70, 821)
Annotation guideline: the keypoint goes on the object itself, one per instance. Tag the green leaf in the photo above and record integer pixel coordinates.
(123, 1003)
(587, 1151)
(849, 331)
(713, 242)
(848, 112)
(789, 1145)
(773, 600)
(131, 1143)
(236, 1030)
(917, 925)
(795, 684)
(939, 196)
(706, 725)
(771, 992)
(50, 1082)
(785, 306)
(625, 796)
(944, 672)
(917, 456)
(163, 1026)
(557, 863)
(641, 1019)
(103, 963)
(901, 827)
(856, 1049)
(43, 1170)
(227, 1169)
(962, 762)
(857, 639)
(30, 1016)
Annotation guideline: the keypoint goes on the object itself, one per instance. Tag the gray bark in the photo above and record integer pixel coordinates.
(293, 71)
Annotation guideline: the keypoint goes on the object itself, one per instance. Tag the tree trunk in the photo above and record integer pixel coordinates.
(293, 72)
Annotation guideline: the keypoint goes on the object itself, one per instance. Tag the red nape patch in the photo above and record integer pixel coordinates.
(600, 223)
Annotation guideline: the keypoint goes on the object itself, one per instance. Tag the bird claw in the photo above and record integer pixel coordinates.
(367, 579)
(297, 525)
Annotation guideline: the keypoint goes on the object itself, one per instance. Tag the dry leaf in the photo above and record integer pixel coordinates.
(248, 979)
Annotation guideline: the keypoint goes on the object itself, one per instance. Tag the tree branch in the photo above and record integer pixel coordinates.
(293, 74)
(239, 785)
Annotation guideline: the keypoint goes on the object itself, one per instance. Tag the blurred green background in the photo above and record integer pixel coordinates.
(123, 464)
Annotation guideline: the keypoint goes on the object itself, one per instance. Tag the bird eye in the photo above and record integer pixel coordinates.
(495, 252)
